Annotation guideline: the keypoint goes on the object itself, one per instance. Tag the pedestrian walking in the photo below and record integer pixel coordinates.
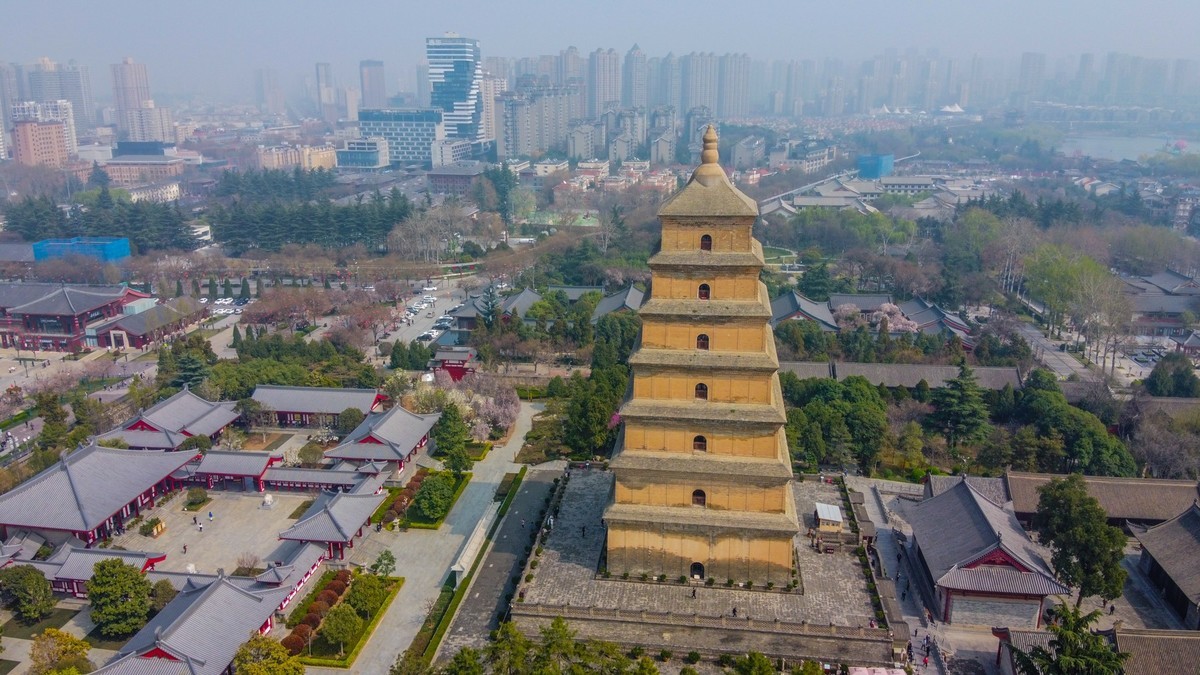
(897, 557)
(693, 593)
(735, 612)
(201, 527)
(185, 548)
(583, 531)
(925, 663)
(195, 520)
(210, 516)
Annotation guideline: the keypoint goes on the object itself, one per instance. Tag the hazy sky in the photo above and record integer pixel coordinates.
(212, 47)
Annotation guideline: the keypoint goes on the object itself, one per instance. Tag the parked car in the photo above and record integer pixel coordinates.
(429, 289)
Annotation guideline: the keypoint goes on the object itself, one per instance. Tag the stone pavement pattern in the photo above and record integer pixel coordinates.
(834, 587)
(239, 526)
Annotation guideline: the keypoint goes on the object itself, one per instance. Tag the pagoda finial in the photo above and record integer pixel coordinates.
(710, 158)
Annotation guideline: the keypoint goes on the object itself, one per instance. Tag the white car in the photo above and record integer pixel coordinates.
(204, 301)
(429, 289)
(429, 298)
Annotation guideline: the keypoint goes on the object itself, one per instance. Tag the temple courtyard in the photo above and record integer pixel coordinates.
(240, 527)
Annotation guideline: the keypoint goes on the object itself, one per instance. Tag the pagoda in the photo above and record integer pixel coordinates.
(703, 480)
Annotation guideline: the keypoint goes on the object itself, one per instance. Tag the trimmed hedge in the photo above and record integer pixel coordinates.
(365, 637)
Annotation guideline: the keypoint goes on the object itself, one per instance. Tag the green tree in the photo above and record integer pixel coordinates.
(178, 287)
(384, 565)
(53, 649)
(191, 371)
(199, 443)
(367, 594)
(1074, 649)
(27, 592)
(235, 340)
(212, 288)
(120, 598)
(754, 663)
(161, 593)
(510, 651)
(244, 289)
(341, 625)
(227, 288)
(466, 661)
(348, 420)
(435, 496)
(450, 432)
(1086, 551)
(311, 454)
(1173, 375)
(260, 655)
(959, 411)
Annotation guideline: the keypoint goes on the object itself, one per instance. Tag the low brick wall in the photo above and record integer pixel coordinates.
(708, 635)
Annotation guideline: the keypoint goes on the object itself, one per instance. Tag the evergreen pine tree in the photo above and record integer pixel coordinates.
(959, 410)
(212, 288)
(236, 340)
(178, 287)
(258, 287)
(244, 293)
(227, 288)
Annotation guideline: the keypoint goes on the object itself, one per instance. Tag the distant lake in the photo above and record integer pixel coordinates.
(1114, 147)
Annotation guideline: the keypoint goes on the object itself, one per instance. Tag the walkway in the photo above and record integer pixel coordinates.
(424, 557)
(1046, 350)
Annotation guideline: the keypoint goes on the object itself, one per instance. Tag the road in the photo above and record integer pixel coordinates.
(1046, 350)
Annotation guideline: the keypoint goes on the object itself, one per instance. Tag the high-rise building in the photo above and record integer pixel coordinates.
(267, 92)
(348, 103)
(50, 111)
(700, 80)
(8, 95)
(733, 86)
(703, 479)
(422, 89)
(374, 84)
(40, 143)
(131, 85)
(634, 80)
(668, 89)
(410, 134)
(570, 66)
(326, 94)
(148, 123)
(603, 81)
(455, 75)
(1033, 74)
(490, 88)
(50, 81)
(533, 121)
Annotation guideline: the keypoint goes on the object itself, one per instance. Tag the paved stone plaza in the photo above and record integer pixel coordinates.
(239, 526)
(834, 590)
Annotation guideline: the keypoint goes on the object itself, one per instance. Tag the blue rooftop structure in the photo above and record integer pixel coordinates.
(104, 249)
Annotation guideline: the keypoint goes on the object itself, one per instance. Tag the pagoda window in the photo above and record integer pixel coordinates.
(702, 341)
(700, 443)
(704, 292)
(706, 242)
(702, 392)
(699, 498)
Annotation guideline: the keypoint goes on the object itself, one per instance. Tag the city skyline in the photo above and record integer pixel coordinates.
(190, 53)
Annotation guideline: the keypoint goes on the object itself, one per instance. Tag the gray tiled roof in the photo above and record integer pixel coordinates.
(68, 300)
(339, 520)
(629, 298)
(235, 463)
(1157, 652)
(278, 474)
(22, 252)
(910, 374)
(132, 664)
(145, 323)
(77, 564)
(83, 489)
(1175, 546)
(864, 301)
(1137, 499)
(147, 440)
(387, 437)
(189, 413)
(959, 526)
(313, 400)
(203, 625)
(792, 303)
(992, 488)
(517, 305)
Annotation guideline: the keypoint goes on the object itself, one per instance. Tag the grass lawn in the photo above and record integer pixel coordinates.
(544, 440)
(98, 641)
(56, 619)
(304, 505)
(504, 487)
(771, 252)
(387, 504)
(478, 451)
(7, 666)
(414, 519)
(255, 441)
